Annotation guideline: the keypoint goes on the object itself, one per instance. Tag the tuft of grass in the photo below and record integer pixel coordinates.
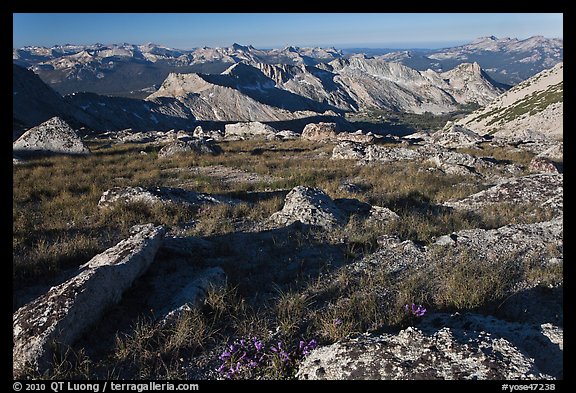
(519, 157)
(465, 281)
(290, 310)
(334, 323)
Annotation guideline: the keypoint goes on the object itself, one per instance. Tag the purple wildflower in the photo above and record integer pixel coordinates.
(284, 356)
(338, 322)
(249, 357)
(225, 355)
(417, 311)
(258, 345)
(277, 348)
(309, 347)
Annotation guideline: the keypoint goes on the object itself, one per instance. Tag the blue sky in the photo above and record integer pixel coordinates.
(264, 30)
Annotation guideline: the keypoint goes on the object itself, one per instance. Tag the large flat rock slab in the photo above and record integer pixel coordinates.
(544, 189)
(64, 313)
(451, 353)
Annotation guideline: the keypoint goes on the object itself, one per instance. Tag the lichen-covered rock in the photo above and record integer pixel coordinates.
(357, 136)
(555, 152)
(348, 151)
(455, 136)
(309, 206)
(217, 135)
(319, 132)
(128, 136)
(54, 136)
(509, 239)
(458, 163)
(183, 147)
(367, 153)
(542, 189)
(447, 347)
(249, 130)
(154, 195)
(541, 164)
(378, 213)
(287, 135)
(67, 310)
(17, 160)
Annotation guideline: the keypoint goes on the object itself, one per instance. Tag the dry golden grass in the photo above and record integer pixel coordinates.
(57, 225)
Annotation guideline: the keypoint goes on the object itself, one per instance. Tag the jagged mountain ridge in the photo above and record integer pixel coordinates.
(506, 60)
(242, 93)
(137, 70)
(377, 83)
(533, 108)
(61, 56)
(265, 92)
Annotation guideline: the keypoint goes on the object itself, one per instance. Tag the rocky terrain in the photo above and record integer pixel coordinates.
(506, 323)
(531, 110)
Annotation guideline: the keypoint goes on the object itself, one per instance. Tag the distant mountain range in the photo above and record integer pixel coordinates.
(260, 92)
(138, 70)
(284, 87)
(33, 102)
(506, 60)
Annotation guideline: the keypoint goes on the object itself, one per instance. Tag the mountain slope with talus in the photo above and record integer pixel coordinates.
(34, 102)
(265, 92)
(382, 84)
(535, 107)
(239, 94)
